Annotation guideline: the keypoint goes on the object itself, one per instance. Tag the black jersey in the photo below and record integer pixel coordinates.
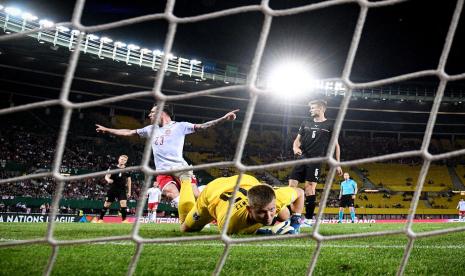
(315, 137)
(119, 179)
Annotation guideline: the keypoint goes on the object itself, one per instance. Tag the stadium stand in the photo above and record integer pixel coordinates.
(28, 145)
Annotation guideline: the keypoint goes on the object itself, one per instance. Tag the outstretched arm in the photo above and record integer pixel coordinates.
(108, 178)
(117, 132)
(230, 116)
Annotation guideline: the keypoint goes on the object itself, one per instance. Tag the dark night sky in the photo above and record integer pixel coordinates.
(398, 39)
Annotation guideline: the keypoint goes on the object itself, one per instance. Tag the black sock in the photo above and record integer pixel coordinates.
(123, 213)
(309, 206)
(103, 212)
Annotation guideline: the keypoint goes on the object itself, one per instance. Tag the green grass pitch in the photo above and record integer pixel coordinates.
(438, 255)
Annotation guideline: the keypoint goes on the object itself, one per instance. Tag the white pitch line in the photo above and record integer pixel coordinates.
(360, 246)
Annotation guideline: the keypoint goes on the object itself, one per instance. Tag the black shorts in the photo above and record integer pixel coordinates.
(113, 195)
(346, 201)
(306, 172)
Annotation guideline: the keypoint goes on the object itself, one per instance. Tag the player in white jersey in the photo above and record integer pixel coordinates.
(167, 146)
(461, 208)
(154, 196)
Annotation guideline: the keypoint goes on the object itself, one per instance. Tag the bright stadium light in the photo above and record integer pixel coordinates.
(44, 23)
(59, 29)
(155, 54)
(73, 34)
(191, 68)
(116, 45)
(63, 29)
(103, 40)
(27, 17)
(290, 79)
(180, 62)
(89, 37)
(142, 52)
(133, 48)
(12, 11)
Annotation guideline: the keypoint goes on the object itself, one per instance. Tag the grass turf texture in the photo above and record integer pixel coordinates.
(439, 255)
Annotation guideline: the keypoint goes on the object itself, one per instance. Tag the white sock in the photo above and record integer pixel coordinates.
(154, 216)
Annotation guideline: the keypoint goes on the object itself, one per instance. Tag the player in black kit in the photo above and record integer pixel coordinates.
(312, 141)
(117, 190)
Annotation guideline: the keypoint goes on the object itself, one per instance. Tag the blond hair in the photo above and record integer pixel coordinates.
(321, 103)
(260, 195)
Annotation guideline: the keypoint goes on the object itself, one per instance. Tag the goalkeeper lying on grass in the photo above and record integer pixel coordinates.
(256, 205)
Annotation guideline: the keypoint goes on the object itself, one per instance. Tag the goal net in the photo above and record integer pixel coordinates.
(254, 91)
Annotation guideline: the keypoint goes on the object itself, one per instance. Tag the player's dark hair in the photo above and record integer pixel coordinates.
(260, 195)
(168, 109)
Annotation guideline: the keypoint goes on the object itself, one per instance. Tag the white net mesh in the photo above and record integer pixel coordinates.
(254, 91)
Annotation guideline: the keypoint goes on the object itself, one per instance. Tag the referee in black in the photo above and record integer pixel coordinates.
(117, 190)
(312, 141)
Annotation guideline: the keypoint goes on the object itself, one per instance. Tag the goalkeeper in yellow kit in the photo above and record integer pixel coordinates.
(256, 205)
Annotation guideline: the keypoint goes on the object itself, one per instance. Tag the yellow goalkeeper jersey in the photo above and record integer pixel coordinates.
(215, 199)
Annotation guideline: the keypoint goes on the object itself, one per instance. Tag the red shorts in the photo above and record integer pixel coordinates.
(462, 213)
(153, 206)
(164, 179)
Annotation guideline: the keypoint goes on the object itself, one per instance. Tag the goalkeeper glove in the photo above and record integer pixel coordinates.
(283, 228)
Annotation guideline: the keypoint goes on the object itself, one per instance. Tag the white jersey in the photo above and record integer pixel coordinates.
(154, 194)
(168, 143)
(461, 205)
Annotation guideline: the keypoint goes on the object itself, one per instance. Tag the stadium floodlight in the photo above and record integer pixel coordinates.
(155, 54)
(170, 56)
(290, 78)
(89, 37)
(180, 62)
(142, 52)
(133, 48)
(103, 40)
(59, 29)
(44, 23)
(13, 11)
(116, 45)
(192, 63)
(73, 34)
(63, 29)
(27, 17)
(10, 11)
